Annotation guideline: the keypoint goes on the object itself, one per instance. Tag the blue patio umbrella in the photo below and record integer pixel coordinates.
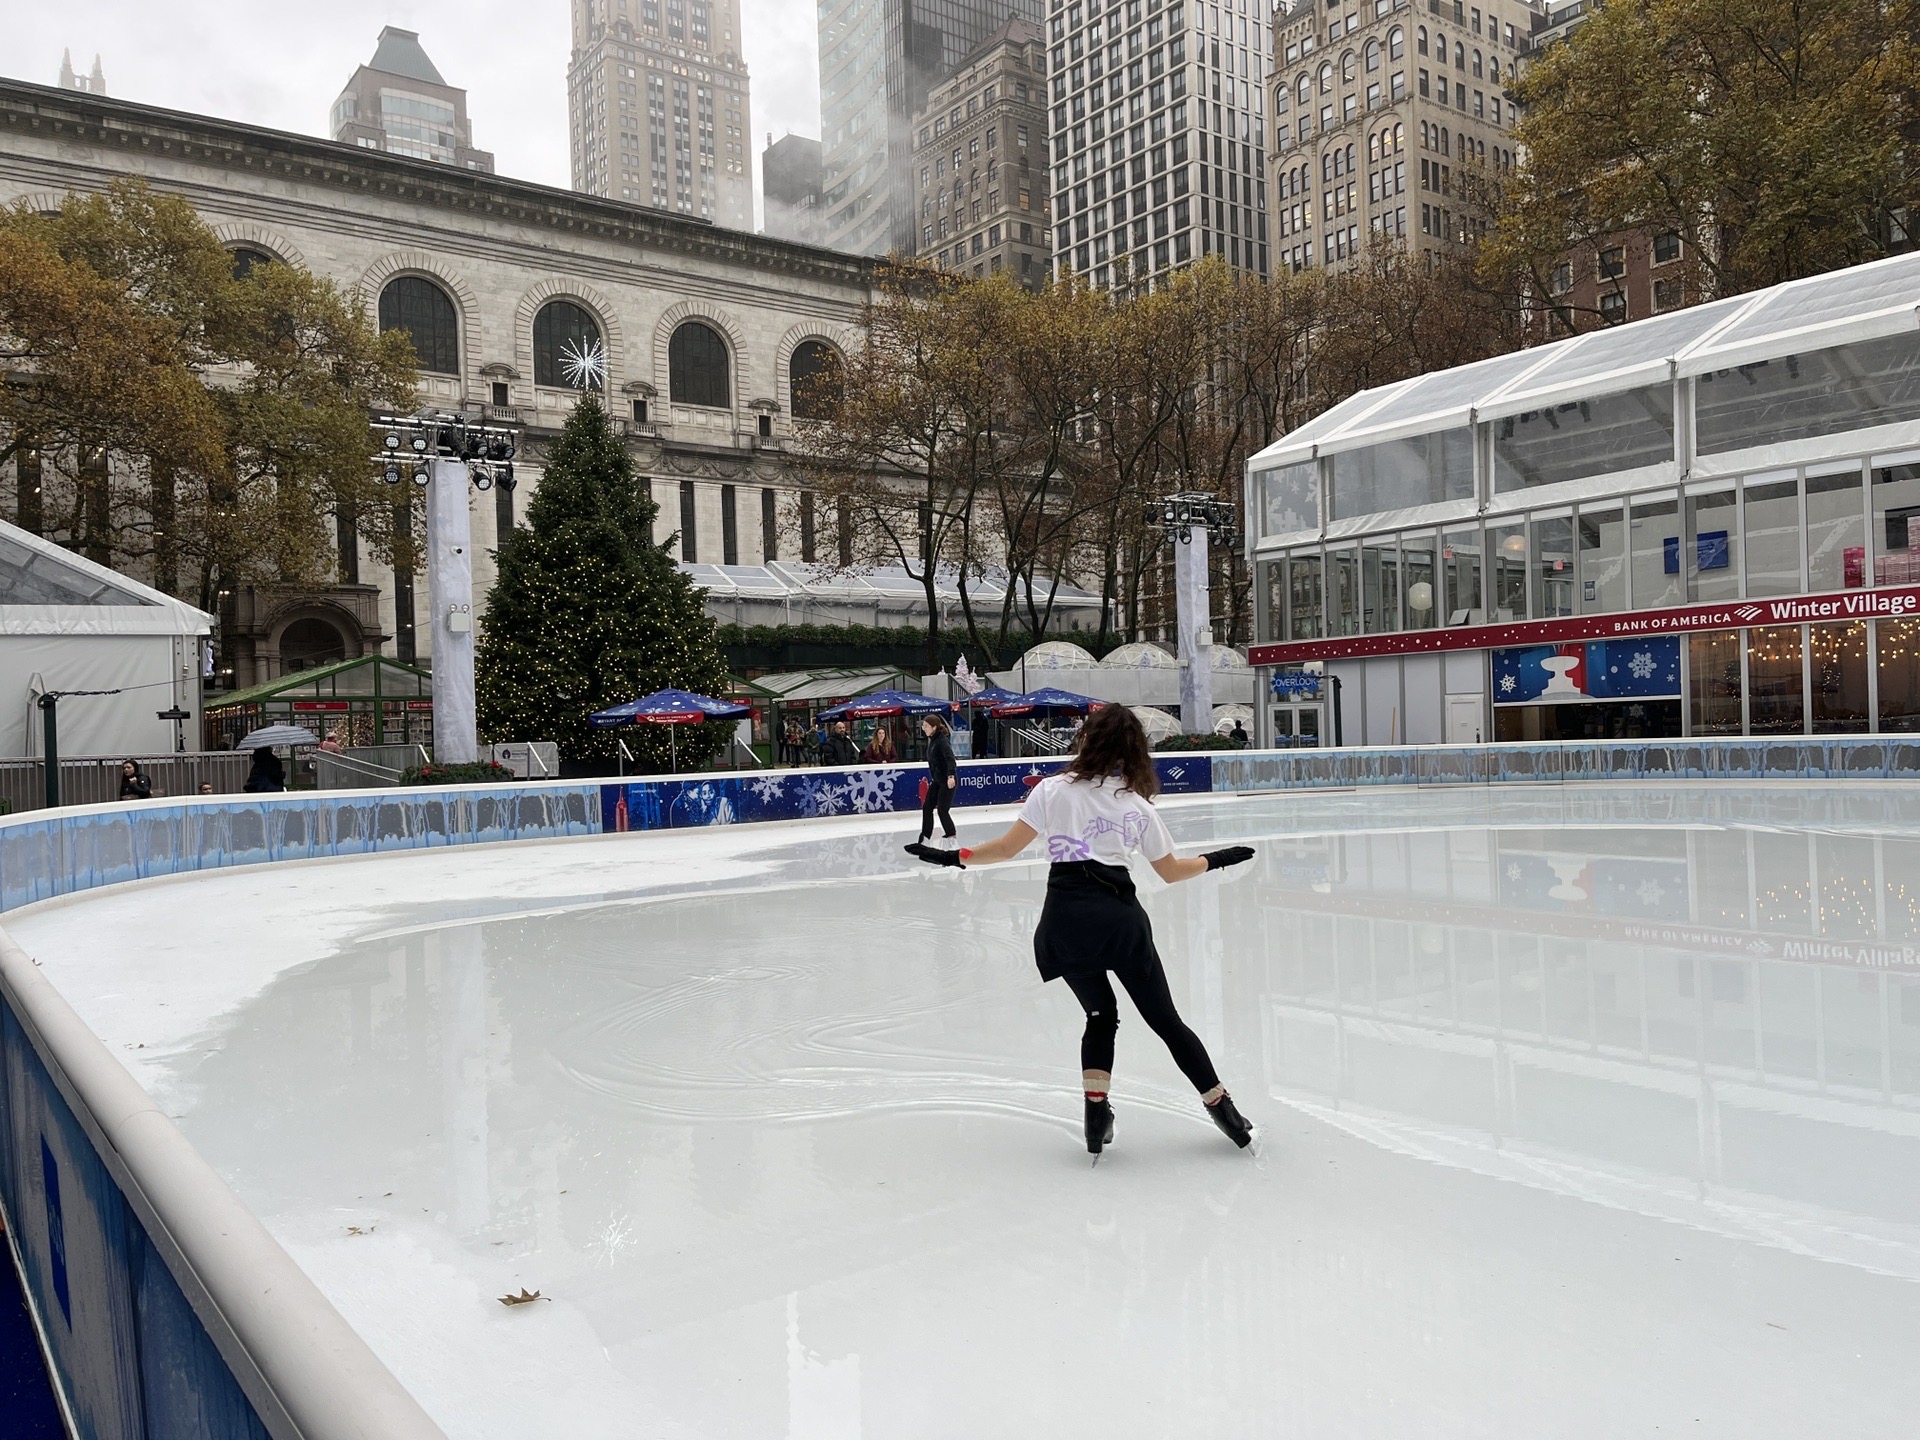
(885, 702)
(1047, 701)
(670, 707)
(991, 696)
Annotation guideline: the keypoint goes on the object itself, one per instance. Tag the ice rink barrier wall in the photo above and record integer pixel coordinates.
(166, 1307)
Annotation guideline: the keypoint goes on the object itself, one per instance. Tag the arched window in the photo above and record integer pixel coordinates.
(560, 327)
(814, 380)
(245, 258)
(699, 371)
(1420, 40)
(1399, 137)
(1493, 69)
(1373, 55)
(1326, 78)
(1373, 147)
(1477, 70)
(1346, 68)
(1396, 43)
(1306, 90)
(1459, 55)
(422, 309)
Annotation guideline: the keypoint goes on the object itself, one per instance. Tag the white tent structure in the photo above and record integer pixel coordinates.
(786, 593)
(68, 625)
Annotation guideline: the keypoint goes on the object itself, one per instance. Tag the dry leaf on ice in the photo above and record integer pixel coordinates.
(525, 1297)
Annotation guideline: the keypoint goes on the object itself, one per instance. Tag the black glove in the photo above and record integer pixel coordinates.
(942, 857)
(1232, 855)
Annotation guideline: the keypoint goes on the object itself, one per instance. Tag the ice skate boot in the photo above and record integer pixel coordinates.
(1232, 1123)
(1099, 1126)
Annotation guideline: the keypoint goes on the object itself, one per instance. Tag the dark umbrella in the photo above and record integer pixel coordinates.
(1047, 701)
(885, 702)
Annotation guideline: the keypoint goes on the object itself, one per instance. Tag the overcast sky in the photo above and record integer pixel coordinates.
(282, 65)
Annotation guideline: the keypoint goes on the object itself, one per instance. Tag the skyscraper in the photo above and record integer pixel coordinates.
(980, 157)
(1379, 118)
(1159, 152)
(790, 188)
(657, 106)
(879, 61)
(398, 102)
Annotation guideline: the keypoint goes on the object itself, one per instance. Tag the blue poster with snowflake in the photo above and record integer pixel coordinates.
(1579, 673)
(667, 803)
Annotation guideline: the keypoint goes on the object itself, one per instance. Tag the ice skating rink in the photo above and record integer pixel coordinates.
(1586, 1111)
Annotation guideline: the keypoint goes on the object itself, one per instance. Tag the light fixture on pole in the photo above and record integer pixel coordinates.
(445, 452)
(1188, 518)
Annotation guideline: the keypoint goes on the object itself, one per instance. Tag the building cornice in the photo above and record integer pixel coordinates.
(79, 118)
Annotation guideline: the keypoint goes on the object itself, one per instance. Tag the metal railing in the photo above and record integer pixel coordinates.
(1044, 742)
(95, 779)
(363, 767)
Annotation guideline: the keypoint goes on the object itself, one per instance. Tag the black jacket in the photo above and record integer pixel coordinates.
(839, 750)
(940, 762)
(136, 786)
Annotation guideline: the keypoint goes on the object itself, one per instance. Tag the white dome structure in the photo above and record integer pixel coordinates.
(1225, 715)
(1140, 655)
(1158, 724)
(1057, 655)
(1228, 659)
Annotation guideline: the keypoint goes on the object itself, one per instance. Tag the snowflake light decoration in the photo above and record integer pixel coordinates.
(1641, 665)
(584, 365)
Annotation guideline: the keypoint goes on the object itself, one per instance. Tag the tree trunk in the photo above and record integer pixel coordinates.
(166, 549)
(27, 510)
(96, 541)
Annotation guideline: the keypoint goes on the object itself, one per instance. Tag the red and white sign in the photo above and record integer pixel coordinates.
(1896, 604)
(327, 705)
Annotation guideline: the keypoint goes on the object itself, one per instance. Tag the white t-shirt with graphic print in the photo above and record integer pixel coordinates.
(1094, 820)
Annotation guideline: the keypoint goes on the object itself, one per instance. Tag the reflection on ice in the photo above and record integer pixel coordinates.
(1586, 1112)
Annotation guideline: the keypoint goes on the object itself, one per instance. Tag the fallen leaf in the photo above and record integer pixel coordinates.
(525, 1297)
(356, 1230)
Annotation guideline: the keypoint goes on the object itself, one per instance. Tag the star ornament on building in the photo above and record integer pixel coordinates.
(585, 366)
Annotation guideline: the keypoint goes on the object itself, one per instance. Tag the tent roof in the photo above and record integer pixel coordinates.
(794, 687)
(46, 589)
(344, 679)
(785, 580)
(1865, 302)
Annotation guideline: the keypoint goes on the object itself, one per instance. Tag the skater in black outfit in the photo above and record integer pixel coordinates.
(943, 779)
(1092, 816)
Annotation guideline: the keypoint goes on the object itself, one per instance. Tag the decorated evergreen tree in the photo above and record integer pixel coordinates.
(588, 612)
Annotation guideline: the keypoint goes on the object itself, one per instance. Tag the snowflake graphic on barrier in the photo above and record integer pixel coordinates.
(871, 790)
(768, 789)
(1508, 684)
(1650, 892)
(1642, 665)
(1513, 874)
(810, 797)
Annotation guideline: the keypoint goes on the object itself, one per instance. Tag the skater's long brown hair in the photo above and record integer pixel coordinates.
(1114, 742)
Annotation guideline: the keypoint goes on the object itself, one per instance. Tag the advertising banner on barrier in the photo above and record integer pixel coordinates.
(667, 803)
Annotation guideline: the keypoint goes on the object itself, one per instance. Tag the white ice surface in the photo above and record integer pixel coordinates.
(1585, 1112)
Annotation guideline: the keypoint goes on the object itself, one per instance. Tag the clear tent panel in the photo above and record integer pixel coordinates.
(1599, 353)
(1447, 391)
(1827, 299)
(28, 577)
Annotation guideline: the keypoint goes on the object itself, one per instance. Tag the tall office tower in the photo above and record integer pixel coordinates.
(397, 102)
(1380, 115)
(657, 106)
(879, 61)
(94, 84)
(790, 188)
(1158, 136)
(980, 161)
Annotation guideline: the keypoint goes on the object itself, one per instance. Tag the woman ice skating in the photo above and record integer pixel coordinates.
(943, 779)
(1092, 816)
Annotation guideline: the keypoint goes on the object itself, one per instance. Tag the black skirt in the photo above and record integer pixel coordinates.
(1092, 922)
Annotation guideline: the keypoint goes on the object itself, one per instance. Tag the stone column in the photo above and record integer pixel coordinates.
(450, 613)
(1193, 611)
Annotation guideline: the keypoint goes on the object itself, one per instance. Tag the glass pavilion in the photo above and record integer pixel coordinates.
(1697, 524)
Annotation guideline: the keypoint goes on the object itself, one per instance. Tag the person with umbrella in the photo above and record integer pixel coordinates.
(1093, 815)
(268, 774)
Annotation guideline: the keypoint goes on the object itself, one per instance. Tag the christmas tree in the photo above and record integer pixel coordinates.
(588, 612)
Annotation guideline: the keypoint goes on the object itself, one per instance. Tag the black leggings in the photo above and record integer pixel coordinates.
(1151, 997)
(939, 797)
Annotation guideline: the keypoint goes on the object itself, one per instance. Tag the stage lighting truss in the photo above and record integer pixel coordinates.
(408, 443)
(1178, 516)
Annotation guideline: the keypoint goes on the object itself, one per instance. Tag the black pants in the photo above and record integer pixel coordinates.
(939, 797)
(1147, 988)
